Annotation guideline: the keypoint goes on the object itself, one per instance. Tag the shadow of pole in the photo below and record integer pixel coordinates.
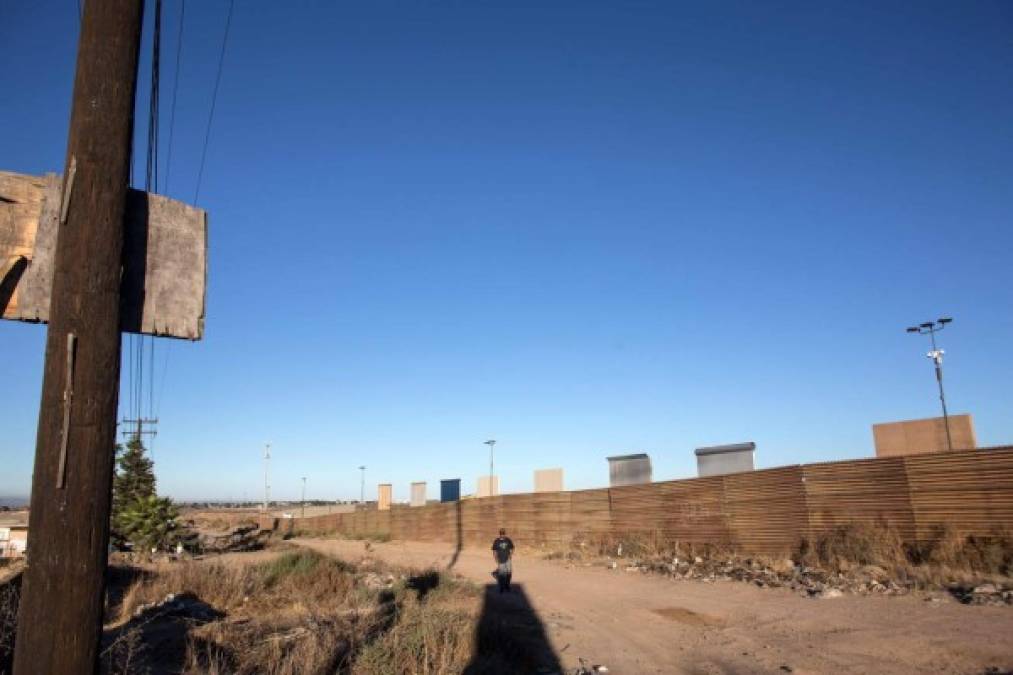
(510, 637)
(460, 539)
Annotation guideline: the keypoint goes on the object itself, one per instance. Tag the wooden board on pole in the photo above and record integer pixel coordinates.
(164, 257)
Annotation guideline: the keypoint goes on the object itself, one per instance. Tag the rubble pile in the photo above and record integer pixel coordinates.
(242, 538)
(806, 581)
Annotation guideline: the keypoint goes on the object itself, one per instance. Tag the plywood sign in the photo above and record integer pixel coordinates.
(164, 257)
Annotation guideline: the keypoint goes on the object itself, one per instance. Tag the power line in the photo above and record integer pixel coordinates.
(214, 100)
(175, 88)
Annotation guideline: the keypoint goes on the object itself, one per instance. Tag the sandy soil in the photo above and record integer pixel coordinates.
(636, 623)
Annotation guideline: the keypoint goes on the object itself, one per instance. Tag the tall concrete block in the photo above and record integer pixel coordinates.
(719, 460)
(629, 469)
(549, 480)
(418, 494)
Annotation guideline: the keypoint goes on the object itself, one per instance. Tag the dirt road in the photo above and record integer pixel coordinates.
(636, 623)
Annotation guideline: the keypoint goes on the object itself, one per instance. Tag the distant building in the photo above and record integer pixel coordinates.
(718, 460)
(915, 437)
(629, 469)
(549, 480)
(13, 541)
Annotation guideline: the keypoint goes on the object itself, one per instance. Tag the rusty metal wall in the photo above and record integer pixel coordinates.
(765, 511)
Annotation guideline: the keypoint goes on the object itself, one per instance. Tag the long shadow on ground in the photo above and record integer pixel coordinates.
(510, 638)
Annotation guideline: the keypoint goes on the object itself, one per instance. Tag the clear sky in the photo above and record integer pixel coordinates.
(576, 228)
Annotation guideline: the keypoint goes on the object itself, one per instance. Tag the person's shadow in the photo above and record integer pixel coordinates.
(510, 638)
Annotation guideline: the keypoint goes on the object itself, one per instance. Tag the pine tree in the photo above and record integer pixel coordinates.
(135, 475)
(134, 481)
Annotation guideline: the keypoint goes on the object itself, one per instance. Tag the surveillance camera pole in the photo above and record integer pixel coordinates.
(362, 487)
(930, 328)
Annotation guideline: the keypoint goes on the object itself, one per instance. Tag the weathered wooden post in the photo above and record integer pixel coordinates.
(60, 620)
(93, 258)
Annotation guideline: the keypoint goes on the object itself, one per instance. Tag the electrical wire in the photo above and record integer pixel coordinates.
(214, 101)
(175, 88)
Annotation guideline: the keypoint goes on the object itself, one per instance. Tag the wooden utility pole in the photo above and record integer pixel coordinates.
(60, 620)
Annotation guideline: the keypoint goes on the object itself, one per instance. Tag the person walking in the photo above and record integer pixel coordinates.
(502, 552)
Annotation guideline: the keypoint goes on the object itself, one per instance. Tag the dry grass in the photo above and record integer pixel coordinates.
(944, 559)
(432, 632)
(306, 613)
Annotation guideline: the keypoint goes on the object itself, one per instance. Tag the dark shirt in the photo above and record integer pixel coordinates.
(503, 548)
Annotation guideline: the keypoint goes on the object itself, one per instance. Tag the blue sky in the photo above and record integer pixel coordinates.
(577, 228)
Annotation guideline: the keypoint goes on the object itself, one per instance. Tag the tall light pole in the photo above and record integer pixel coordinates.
(491, 443)
(930, 328)
(362, 488)
(303, 503)
(267, 483)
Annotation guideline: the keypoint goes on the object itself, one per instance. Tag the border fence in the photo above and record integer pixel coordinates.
(767, 511)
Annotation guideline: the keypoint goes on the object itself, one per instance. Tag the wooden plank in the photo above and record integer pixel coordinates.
(164, 257)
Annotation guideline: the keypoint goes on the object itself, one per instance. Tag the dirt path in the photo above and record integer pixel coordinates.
(636, 623)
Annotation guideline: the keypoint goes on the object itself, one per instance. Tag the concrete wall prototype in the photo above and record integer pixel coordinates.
(724, 459)
(766, 511)
(549, 480)
(418, 494)
(629, 470)
(913, 437)
(384, 496)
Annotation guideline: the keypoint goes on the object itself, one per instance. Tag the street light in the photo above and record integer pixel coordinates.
(930, 328)
(491, 444)
(362, 489)
(303, 504)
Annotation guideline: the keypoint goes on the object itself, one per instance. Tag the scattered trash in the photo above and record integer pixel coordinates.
(808, 582)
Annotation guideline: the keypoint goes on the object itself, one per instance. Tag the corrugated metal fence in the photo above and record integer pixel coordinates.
(762, 511)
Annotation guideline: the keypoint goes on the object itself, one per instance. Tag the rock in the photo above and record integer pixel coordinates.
(985, 589)
(829, 593)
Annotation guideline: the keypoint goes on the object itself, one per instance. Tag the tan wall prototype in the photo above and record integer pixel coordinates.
(549, 480)
(767, 511)
(483, 486)
(384, 496)
(915, 437)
